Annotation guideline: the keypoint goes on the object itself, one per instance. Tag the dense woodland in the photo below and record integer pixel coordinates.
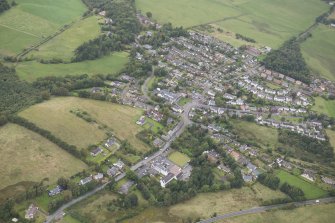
(288, 60)
(4, 5)
(122, 31)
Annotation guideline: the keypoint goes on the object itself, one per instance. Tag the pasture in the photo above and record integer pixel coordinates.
(55, 116)
(331, 135)
(318, 51)
(63, 45)
(179, 158)
(32, 70)
(33, 20)
(268, 22)
(27, 156)
(308, 214)
(311, 191)
(323, 106)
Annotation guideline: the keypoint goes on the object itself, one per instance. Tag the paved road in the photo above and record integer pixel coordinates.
(265, 208)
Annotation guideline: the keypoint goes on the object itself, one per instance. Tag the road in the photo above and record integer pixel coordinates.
(265, 208)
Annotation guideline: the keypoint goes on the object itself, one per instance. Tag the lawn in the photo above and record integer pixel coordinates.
(179, 158)
(32, 20)
(253, 133)
(311, 191)
(153, 125)
(319, 51)
(32, 70)
(63, 45)
(184, 101)
(26, 156)
(269, 22)
(309, 214)
(323, 106)
(55, 116)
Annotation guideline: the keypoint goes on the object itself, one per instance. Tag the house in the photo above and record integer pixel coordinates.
(212, 156)
(110, 142)
(96, 151)
(247, 178)
(308, 175)
(224, 168)
(328, 180)
(96, 90)
(85, 180)
(113, 171)
(98, 176)
(31, 212)
(235, 155)
(124, 189)
(119, 164)
(141, 121)
(167, 179)
(57, 190)
(177, 109)
(158, 143)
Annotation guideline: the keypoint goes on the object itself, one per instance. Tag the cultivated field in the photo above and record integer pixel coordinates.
(32, 70)
(323, 106)
(311, 191)
(31, 21)
(179, 158)
(309, 214)
(268, 22)
(319, 51)
(26, 156)
(55, 116)
(63, 45)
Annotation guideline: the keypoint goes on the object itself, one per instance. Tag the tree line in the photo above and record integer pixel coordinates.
(4, 6)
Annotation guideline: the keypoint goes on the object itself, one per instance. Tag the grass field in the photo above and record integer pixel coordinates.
(309, 214)
(331, 135)
(63, 45)
(179, 158)
(32, 70)
(323, 106)
(269, 22)
(26, 156)
(54, 115)
(311, 191)
(32, 20)
(251, 132)
(318, 51)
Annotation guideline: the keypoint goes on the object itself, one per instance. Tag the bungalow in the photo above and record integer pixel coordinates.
(98, 176)
(308, 175)
(86, 180)
(119, 164)
(57, 190)
(328, 180)
(113, 171)
(96, 151)
(110, 142)
(224, 168)
(141, 121)
(31, 212)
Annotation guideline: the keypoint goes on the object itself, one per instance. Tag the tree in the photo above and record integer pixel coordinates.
(63, 182)
(130, 200)
(149, 15)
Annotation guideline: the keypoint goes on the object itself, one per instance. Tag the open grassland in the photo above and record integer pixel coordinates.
(55, 116)
(319, 51)
(323, 106)
(26, 156)
(113, 63)
(311, 191)
(331, 135)
(32, 20)
(63, 45)
(251, 132)
(268, 22)
(179, 158)
(309, 214)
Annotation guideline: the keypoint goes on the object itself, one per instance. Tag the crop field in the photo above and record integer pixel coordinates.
(26, 156)
(323, 106)
(63, 45)
(318, 51)
(269, 22)
(32, 20)
(311, 191)
(179, 158)
(113, 63)
(309, 214)
(55, 116)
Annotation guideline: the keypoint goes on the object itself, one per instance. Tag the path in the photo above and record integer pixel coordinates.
(144, 87)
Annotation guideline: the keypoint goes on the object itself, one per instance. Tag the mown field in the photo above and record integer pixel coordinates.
(26, 156)
(55, 116)
(63, 45)
(309, 214)
(32, 20)
(268, 22)
(311, 191)
(318, 51)
(179, 158)
(323, 106)
(32, 70)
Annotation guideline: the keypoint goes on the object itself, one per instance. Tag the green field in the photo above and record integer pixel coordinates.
(55, 116)
(179, 158)
(309, 214)
(26, 156)
(63, 45)
(107, 65)
(311, 191)
(269, 22)
(33, 20)
(331, 135)
(323, 106)
(318, 51)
